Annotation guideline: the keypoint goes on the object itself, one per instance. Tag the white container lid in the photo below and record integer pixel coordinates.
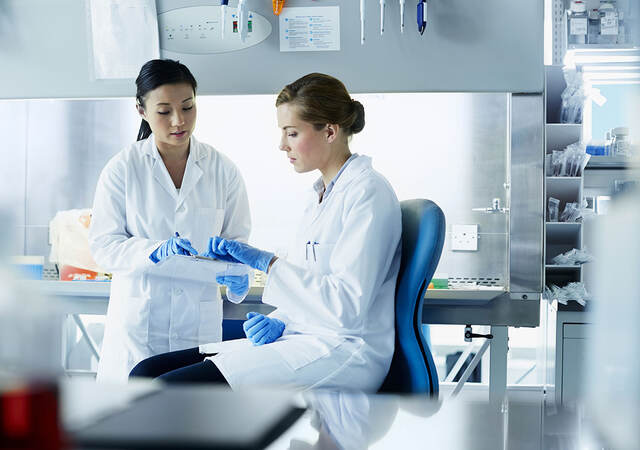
(606, 6)
(578, 6)
(27, 260)
(620, 131)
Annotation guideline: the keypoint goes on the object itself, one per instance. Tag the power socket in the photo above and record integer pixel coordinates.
(464, 238)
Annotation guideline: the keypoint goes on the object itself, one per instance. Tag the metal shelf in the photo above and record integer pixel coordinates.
(595, 47)
(566, 189)
(559, 135)
(560, 268)
(609, 162)
(73, 288)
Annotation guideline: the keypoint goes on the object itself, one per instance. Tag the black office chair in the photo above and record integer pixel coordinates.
(423, 230)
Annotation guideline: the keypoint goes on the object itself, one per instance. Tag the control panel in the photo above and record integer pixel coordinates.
(209, 29)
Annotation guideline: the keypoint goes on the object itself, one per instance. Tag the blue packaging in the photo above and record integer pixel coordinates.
(596, 150)
(28, 267)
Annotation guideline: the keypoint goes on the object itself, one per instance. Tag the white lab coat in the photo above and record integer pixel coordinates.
(136, 208)
(338, 308)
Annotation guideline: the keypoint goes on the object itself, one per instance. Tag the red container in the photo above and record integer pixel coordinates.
(29, 418)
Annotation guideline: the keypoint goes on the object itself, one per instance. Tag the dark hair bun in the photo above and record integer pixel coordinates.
(358, 123)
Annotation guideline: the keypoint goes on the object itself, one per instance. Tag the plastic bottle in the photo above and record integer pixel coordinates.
(593, 27)
(608, 22)
(577, 23)
(607, 144)
(621, 142)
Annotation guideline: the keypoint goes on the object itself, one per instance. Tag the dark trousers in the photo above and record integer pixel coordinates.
(182, 366)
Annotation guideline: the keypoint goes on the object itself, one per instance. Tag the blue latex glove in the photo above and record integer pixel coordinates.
(237, 284)
(238, 252)
(210, 254)
(173, 246)
(262, 329)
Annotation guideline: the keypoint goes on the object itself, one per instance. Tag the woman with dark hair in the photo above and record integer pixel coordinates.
(163, 195)
(334, 293)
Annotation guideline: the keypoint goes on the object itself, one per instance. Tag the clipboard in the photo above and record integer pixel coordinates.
(195, 268)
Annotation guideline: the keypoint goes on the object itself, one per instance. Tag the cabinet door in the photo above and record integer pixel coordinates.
(573, 357)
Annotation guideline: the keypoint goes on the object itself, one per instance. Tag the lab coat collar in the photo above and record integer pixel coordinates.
(356, 166)
(192, 172)
(195, 149)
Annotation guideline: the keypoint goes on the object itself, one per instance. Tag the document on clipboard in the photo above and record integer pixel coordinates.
(195, 268)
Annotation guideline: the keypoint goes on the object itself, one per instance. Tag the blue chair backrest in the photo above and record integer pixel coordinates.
(423, 230)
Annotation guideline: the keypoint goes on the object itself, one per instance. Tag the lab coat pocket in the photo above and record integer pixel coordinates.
(320, 254)
(210, 328)
(299, 351)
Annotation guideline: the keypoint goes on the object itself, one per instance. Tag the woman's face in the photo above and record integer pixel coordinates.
(307, 148)
(170, 110)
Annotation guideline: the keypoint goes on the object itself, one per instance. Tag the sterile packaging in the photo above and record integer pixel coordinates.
(573, 97)
(576, 212)
(570, 213)
(572, 291)
(28, 267)
(554, 208)
(572, 257)
(69, 239)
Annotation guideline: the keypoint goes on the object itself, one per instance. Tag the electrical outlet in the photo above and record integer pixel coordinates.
(464, 238)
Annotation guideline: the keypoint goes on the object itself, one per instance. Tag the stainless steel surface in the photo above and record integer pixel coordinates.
(470, 368)
(460, 162)
(500, 311)
(498, 364)
(350, 419)
(526, 219)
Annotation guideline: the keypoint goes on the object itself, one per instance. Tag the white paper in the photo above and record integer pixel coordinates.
(225, 346)
(311, 29)
(124, 35)
(189, 268)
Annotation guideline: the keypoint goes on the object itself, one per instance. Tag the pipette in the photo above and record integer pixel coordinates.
(382, 4)
(223, 16)
(242, 19)
(277, 6)
(401, 16)
(361, 22)
(422, 16)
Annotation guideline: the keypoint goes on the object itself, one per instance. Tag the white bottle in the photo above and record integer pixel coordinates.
(577, 17)
(608, 23)
(621, 144)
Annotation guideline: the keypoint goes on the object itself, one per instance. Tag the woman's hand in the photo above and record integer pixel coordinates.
(261, 329)
(175, 245)
(239, 252)
(236, 284)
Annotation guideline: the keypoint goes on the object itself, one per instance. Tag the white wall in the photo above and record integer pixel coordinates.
(488, 46)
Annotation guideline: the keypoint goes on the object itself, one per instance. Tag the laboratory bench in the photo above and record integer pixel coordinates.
(479, 306)
(92, 297)
(146, 414)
